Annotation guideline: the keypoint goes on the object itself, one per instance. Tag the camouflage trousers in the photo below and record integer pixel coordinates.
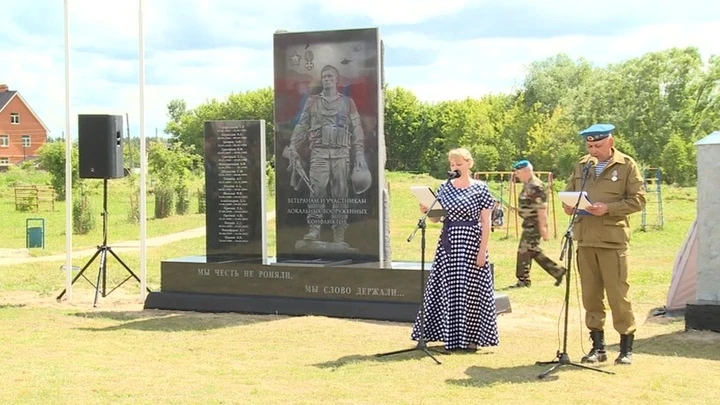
(529, 249)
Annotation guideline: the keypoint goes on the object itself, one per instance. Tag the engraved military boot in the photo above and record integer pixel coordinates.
(314, 233)
(597, 353)
(339, 234)
(626, 344)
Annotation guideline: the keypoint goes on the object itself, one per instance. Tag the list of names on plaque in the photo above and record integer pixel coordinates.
(232, 175)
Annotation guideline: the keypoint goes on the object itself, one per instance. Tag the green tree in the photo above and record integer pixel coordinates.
(548, 81)
(405, 127)
(52, 158)
(553, 144)
(188, 126)
(170, 167)
(678, 161)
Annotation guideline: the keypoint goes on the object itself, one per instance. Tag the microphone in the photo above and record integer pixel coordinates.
(453, 174)
(588, 166)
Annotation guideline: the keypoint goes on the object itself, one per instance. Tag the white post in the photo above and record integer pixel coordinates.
(708, 219)
(143, 157)
(68, 162)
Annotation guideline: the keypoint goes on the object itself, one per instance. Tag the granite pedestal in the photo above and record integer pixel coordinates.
(346, 291)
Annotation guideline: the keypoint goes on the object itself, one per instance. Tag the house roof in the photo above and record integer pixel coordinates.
(6, 97)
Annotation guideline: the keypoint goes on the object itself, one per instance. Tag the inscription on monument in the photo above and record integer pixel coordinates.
(234, 178)
(348, 290)
(206, 272)
(258, 279)
(233, 220)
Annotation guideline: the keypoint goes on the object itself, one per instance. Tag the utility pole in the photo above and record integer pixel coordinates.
(129, 145)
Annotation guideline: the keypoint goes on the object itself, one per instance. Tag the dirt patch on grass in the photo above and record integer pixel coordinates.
(82, 299)
(14, 253)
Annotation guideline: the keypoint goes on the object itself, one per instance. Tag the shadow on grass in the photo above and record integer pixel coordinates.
(399, 354)
(691, 344)
(486, 376)
(6, 306)
(172, 321)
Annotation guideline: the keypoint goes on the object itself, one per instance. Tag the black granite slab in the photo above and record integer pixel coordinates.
(235, 190)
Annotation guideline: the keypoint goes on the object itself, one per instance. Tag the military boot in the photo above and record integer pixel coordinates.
(626, 344)
(559, 276)
(597, 353)
(339, 234)
(314, 233)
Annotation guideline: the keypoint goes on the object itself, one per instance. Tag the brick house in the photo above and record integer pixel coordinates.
(22, 132)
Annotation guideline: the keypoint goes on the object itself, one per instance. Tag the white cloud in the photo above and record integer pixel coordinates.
(473, 67)
(396, 11)
(243, 58)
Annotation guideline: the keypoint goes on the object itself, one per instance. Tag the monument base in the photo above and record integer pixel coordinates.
(324, 248)
(252, 304)
(194, 283)
(703, 315)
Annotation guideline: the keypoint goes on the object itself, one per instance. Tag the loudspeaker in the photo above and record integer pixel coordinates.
(100, 146)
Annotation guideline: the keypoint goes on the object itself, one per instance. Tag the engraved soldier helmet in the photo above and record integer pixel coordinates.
(361, 180)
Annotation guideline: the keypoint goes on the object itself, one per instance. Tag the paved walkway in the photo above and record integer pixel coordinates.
(117, 247)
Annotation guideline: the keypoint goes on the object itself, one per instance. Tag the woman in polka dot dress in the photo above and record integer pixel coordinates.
(459, 301)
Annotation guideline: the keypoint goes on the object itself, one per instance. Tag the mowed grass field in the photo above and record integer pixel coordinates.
(70, 352)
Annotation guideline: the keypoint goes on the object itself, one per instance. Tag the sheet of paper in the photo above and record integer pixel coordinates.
(570, 198)
(425, 196)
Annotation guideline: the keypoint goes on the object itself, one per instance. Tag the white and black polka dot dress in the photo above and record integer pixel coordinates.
(459, 297)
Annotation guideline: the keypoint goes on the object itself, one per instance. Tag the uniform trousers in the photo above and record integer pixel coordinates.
(604, 271)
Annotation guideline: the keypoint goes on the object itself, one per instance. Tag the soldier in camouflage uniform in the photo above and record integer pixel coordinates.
(532, 207)
(330, 124)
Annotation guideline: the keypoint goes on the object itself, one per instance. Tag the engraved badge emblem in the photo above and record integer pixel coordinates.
(309, 60)
(295, 59)
(614, 175)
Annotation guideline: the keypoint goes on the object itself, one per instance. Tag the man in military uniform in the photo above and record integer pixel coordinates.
(330, 125)
(615, 187)
(532, 208)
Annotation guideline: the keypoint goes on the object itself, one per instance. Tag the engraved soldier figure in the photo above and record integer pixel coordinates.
(532, 207)
(330, 127)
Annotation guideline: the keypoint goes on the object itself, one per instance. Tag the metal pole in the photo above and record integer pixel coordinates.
(143, 157)
(68, 161)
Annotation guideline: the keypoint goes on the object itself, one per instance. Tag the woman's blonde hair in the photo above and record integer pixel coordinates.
(461, 153)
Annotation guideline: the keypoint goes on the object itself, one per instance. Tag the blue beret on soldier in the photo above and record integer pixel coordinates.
(597, 132)
(520, 164)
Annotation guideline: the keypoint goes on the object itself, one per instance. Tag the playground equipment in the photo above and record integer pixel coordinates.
(504, 189)
(652, 178)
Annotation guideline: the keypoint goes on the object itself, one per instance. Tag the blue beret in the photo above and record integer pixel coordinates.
(520, 164)
(597, 132)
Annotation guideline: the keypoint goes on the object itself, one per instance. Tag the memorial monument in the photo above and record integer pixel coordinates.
(330, 178)
(332, 204)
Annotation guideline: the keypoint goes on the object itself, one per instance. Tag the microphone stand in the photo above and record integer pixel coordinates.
(422, 343)
(562, 358)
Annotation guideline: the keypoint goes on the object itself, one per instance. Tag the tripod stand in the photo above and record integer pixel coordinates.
(562, 358)
(422, 343)
(102, 251)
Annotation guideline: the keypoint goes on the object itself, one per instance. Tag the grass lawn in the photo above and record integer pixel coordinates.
(71, 352)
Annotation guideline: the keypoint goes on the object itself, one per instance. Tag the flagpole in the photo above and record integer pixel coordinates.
(68, 161)
(143, 157)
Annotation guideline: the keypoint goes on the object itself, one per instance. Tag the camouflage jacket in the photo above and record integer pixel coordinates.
(532, 197)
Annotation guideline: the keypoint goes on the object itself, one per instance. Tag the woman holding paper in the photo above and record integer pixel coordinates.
(459, 301)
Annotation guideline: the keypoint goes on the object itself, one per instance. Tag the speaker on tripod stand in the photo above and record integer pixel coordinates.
(100, 152)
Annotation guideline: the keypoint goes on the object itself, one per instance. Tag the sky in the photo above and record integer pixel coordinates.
(199, 50)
